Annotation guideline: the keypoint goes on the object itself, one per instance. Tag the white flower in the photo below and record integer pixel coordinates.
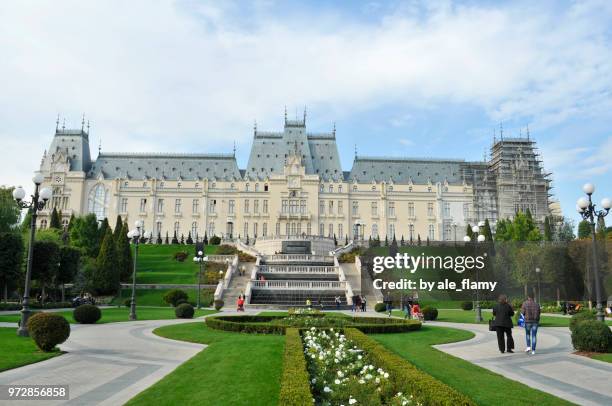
(314, 380)
(386, 375)
(352, 401)
(326, 389)
(337, 381)
(340, 374)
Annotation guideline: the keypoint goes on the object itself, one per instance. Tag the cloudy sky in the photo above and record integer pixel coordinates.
(419, 79)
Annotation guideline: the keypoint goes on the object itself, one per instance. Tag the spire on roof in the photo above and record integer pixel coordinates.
(304, 115)
(57, 123)
(99, 142)
(527, 131)
(234, 149)
(334, 130)
(355, 151)
(255, 127)
(83, 122)
(501, 130)
(285, 114)
(64, 124)
(87, 126)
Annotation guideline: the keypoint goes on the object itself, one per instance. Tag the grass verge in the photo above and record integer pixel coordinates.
(235, 369)
(19, 351)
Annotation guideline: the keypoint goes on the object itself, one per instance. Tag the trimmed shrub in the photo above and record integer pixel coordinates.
(430, 313)
(127, 302)
(467, 305)
(48, 330)
(184, 311)
(592, 336)
(175, 296)
(408, 379)
(488, 304)
(214, 240)
(219, 304)
(87, 314)
(180, 256)
(226, 250)
(581, 317)
(380, 307)
(295, 382)
(244, 257)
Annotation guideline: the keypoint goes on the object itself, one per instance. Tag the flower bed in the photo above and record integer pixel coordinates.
(341, 373)
(278, 324)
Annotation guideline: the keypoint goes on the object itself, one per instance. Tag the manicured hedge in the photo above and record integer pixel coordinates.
(295, 382)
(408, 379)
(271, 325)
(48, 330)
(592, 336)
(87, 314)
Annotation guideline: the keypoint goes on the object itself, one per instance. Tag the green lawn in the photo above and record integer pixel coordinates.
(469, 316)
(115, 314)
(483, 386)
(154, 297)
(235, 369)
(18, 351)
(156, 264)
(603, 357)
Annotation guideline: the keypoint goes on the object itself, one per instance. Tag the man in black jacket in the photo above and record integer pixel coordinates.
(503, 324)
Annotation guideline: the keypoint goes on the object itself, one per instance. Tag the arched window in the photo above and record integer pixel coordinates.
(432, 231)
(98, 201)
(374, 230)
(194, 229)
(177, 227)
(43, 224)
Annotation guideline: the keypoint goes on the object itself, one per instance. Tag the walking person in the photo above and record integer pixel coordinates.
(389, 303)
(363, 303)
(338, 302)
(407, 307)
(503, 313)
(531, 312)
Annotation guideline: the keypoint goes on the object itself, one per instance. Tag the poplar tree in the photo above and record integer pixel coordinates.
(106, 275)
(55, 221)
(124, 253)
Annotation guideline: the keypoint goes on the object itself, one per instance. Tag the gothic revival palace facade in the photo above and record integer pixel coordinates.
(294, 185)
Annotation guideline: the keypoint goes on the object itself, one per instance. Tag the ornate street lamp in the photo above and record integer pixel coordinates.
(586, 208)
(477, 238)
(538, 275)
(134, 235)
(39, 200)
(201, 259)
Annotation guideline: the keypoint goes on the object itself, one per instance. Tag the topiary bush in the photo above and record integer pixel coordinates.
(48, 330)
(226, 249)
(380, 307)
(175, 296)
(467, 305)
(180, 256)
(184, 311)
(580, 317)
(430, 313)
(214, 240)
(592, 336)
(219, 304)
(87, 314)
(244, 257)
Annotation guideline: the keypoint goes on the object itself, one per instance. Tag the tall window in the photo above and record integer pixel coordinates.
(391, 230)
(43, 224)
(230, 206)
(255, 230)
(410, 209)
(308, 228)
(246, 205)
(143, 205)
(430, 211)
(466, 210)
(287, 230)
(339, 188)
(331, 188)
(321, 207)
(374, 230)
(277, 229)
(212, 206)
(264, 229)
(177, 227)
(246, 229)
(265, 207)
(340, 207)
(355, 208)
(160, 206)
(432, 231)
(392, 209)
(194, 229)
(177, 205)
(255, 206)
(303, 206)
(330, 233)
(321, 230)
(98, 201)
(411, 231)
(123, 206)
(374, 208)
(340, 230)
(158, 227)
(331, 207)
(195, 206)
(447, 231)
(446, 209)
(257, 187)
(354, 188)
(211, 228)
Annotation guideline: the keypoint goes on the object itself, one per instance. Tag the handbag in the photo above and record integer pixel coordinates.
(491, 325)
(521, 320)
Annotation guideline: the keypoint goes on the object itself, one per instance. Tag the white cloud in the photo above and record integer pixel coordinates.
(176, 76)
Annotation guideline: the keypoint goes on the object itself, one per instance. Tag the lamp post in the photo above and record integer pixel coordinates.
(201, 259)
(134, 235)
(587, 210)
(477, 238)
(39, 200)
(538, 274)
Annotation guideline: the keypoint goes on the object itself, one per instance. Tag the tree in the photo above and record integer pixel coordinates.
(601, 231)
(468, 232)
(106, 276)
(346, 239)
(9, 211)
(189, 239)
(175, 239)
(419, 240)
(55, 222)
(393, 247)
(335, 240)
(548, 233)
(69, 258)
(487, 231)
(84, 235)
(159, 239)
(501, 231)
(565, 230)
(124, 254)
(104, 226)
(45, 263)
(71, 222)
(526, 260)
(11, 257)
(402, 242)
(167, 239)
(182, 239)
(118, 228)
(205, 238)
(584, 229)
(524, 228)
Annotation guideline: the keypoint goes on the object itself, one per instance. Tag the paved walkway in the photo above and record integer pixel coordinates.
(106, 364)
(553, 369)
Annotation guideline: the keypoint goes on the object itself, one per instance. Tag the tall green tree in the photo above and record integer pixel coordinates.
(45, 263)
(105, 279)
(70, 222)
(104, 226)
(503, 230)
(84, 235)
(548, 232)
(55, 222)
(487, 231)
(124, 254)
(11, 256)
(601, 230)
(69, 258)
(468, 231)
(565, 230)
(9, 211)
(584, 229)
(118, 228)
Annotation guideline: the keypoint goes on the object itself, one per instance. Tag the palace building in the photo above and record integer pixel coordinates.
(294, 185)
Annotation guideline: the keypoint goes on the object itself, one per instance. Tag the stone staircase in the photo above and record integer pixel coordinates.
(237, 285)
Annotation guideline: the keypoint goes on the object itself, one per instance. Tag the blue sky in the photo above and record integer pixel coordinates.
(420, 79)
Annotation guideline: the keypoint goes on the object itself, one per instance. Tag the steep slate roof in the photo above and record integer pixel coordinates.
(403, 170)
(165, 166)
(75, 144)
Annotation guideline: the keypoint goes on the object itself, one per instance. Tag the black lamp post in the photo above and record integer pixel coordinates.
(539, 295)
(477, 237)
(201, 259)
(134, 235)
(586, 208)
(39, 200)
